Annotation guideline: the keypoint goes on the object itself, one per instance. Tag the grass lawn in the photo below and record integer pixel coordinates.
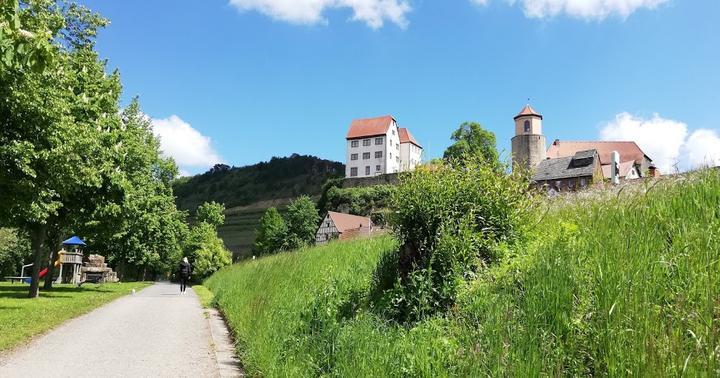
(205, 296)
(22, 318)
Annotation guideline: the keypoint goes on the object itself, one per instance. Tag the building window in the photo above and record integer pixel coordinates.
(366, 142)
(378, 168)
(527, 126)
(583, 182)
(354, 143)
(378, 154)
(353, 171)
(366, 155)
(391, 155)
(378, 141)
(393, 131)
(353, 156)
(367, 170)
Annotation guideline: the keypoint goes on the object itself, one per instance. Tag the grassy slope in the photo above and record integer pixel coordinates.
(22, 318)
(612, 286)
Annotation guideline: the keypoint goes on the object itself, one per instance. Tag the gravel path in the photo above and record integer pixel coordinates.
(154, 333)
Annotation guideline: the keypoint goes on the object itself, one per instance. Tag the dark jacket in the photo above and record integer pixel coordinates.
(185, 269)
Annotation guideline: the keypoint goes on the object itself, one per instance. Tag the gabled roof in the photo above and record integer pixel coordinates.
(368, 127)
(562, 168)
(347, 222)
(528, 111)
(629, 151)
(406, 137)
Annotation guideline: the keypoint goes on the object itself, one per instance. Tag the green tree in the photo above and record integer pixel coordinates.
(136, 223)
(53, 125)
(212, 213)
(271, 234)
(302, 221)
(206, 251)
(14, 251)
(471, 139)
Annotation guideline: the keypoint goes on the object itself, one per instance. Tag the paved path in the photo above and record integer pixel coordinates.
(154, 333)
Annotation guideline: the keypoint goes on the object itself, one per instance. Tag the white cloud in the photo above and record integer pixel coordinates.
(187, 146)
(374, 13)
(702, 149)
(666, 141)
(661, 139)
(584, 9)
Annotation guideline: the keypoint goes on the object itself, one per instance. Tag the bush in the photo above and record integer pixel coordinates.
(364, 201)
(450, 220)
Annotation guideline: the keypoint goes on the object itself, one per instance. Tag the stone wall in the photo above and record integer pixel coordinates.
(356, 182)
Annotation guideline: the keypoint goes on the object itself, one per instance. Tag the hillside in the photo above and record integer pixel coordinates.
(610, 285)
(248, 191)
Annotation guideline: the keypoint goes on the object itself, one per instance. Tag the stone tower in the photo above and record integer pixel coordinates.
(528, 144)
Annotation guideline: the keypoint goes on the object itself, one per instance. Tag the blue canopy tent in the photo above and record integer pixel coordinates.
(74, 241)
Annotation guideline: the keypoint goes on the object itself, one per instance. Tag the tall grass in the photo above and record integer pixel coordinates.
(615, 285)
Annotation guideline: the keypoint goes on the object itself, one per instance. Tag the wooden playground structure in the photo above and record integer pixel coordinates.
(71, 267)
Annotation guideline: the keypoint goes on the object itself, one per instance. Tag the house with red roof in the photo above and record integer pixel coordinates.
(377, 146)
(573, 165)
(342, 226)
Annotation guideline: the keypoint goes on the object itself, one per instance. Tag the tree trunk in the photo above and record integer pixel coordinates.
(53, 247)
(37, 236)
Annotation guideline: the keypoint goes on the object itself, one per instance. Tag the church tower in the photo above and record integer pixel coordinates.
(528, 144)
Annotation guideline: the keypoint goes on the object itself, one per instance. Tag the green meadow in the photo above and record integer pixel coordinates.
(608, 283)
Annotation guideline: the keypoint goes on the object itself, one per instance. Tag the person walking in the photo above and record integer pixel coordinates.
(185, 270)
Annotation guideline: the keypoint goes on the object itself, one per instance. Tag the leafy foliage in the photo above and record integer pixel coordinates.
(14, 251)
(211, 213)
(205, 250)
(271, 233)
(302, 221)
(471, 139)
(364, 201)
(450, 221)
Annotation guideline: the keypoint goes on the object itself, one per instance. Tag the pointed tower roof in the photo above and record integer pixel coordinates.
(528, 111)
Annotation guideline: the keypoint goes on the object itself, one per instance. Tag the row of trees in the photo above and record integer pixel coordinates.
(70, 160)
(293, 230)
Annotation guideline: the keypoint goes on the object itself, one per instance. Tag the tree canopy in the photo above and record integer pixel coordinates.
(471, 139)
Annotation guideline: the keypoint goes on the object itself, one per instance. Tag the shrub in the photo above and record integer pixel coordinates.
(14, 251)
(450, 220)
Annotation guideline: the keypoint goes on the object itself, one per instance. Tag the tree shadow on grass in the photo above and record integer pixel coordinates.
(19, 291)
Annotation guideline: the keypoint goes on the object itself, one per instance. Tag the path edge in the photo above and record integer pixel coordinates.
(227, 362)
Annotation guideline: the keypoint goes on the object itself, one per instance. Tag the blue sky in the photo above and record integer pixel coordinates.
(240, 81)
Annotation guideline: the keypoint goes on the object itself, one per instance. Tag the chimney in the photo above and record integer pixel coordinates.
(615, 168)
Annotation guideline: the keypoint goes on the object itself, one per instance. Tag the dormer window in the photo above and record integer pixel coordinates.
(527, 126)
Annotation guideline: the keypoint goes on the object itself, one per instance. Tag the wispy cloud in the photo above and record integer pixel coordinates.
(179, 140)
(373, 13)
(595, 10)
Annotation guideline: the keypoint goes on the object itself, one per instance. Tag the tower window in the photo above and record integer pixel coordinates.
(527, 126)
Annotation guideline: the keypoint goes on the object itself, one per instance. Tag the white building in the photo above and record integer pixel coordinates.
(377, 146)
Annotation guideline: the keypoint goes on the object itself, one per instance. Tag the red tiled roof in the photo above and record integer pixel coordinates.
(528, 111)
(406, 137)
(363, 128)
(347, 222)
(629, 151)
